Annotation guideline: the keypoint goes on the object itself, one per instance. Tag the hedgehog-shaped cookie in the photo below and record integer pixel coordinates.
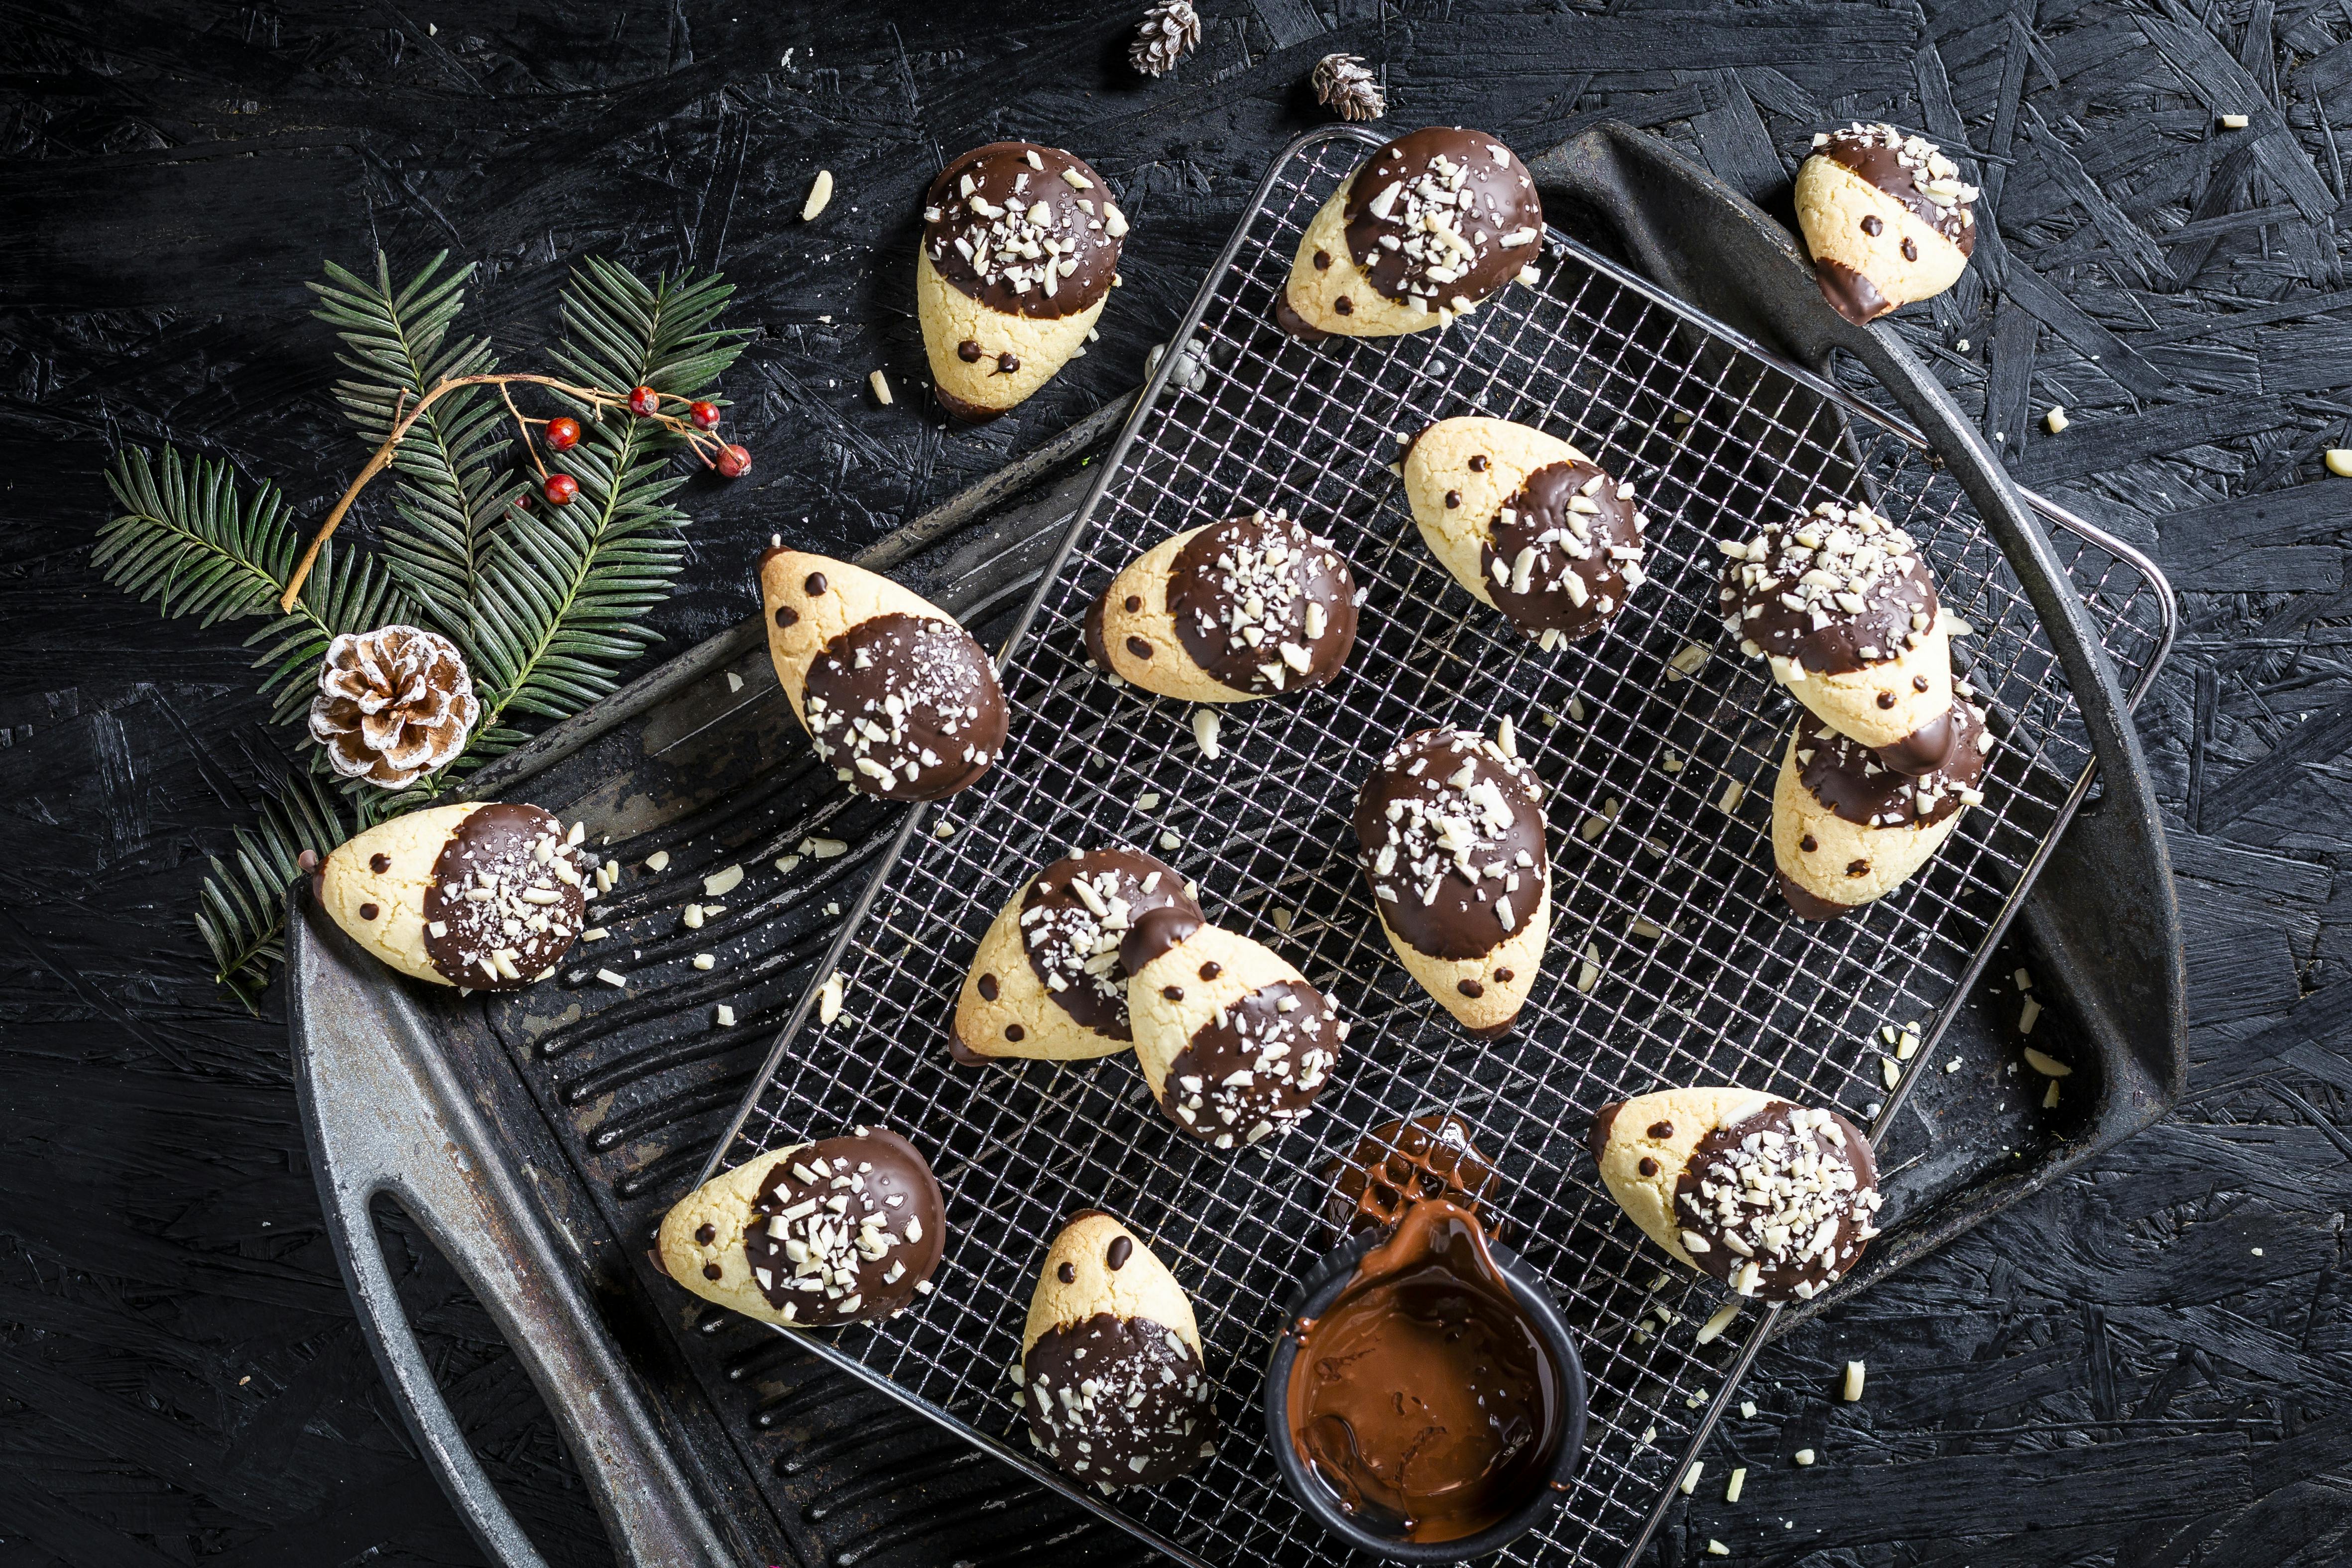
(1111, 1375)
(1244, 608)
(843, 1230)
(897, 696)
(488, 895)
(1046, 982)
(1424, 229)
(1772, 1198)
(1847, 829)
(1840, 604)
(1450, 834)
(1233, 1042)
(1526, 523)
(1886, 217)
(1020, 250)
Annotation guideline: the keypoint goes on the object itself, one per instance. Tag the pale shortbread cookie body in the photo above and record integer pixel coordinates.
(950, 318)
(349, 883)
(851, 594)
(1270, 580)
(1439, 462)
(1199, 982)
(1146, 578)
(724, 1204)
(1852, 702)
(1316, 292)
(1689, 1114)
(1141, 1286)
(1047, 1033)
(1888, 856)
(1500, 1001)
(1832, 200)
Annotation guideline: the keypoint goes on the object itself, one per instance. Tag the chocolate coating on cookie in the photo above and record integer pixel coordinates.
(1451, 837)
(1444, 214)
(866, 1215)
(1156, 930)
(1854, 782)
(1400, 1163)
(499, 913)
(1818, 1184)
(1838, 589)
(1258, 1065)
(1262, 604)
(1565, 552)
(1119, 1401)
(1915, 172)
(1026, 230)
(909, 706)
(1073, 918)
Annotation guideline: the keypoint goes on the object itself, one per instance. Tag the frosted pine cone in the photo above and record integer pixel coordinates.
(393, 703)
(1345, 83)
(1166, 35)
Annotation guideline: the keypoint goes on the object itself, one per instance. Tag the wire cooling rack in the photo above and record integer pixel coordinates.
(1672, 960)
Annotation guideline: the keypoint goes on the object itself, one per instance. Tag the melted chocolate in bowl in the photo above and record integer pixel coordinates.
(1423, 1398)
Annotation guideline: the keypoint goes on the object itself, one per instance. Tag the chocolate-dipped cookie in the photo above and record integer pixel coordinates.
(1426, 229)
(1888, 218)
(1450, 834)
(1846, 829)
(1239, 609)
(897, 696)
(1400, 1163)
(1232, 1040)
(843, 1230)
(1020, 250)
(487, 895)
(1839, 604)
(1527, 523)
(1111, 1374)
(1046, 981)
(1772, 1198)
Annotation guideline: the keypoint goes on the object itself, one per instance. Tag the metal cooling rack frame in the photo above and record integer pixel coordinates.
(1671, 959)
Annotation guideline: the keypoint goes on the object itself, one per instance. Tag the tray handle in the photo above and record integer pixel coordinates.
(384, 1115)
(2105, 909)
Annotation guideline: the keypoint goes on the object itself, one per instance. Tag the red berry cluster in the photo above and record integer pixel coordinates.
(560, 434)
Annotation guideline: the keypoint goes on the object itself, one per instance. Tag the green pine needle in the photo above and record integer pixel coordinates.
(241, 907)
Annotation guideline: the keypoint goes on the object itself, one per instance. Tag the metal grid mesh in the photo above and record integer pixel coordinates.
(1660, 794)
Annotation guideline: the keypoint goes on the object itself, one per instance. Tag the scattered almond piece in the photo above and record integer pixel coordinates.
(2050, 1096)
(726, 1016)
(1739, 1479)
(1690, 1476)
(657, 861)
(881, 386)
(2339, 462)
(2029, 1016)
(2233, 122)
(2056, 419)
(1853, 1376)
(2045, 1064)
(724, 880)
(1805, 1456)
(820, 194)
(1205, 725)
(828, 997)
(703, 961)
(1711, 1330)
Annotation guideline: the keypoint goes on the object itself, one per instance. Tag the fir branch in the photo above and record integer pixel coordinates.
(187, 538)
(563, 603)
(241, 909)
(453, 476)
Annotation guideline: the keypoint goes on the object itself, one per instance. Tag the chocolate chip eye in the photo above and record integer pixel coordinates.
(1648, 1167)
(786, 615)
(1910, 249)
(1886, 700)
(1344, 305)
(1858, 869)
(988, 988)
(1067, 1274)
(1016, 1033)
(1503, 975)
(1919, 683)
(1007, 363)
(1139, 648)
(1478, 463)
(1211, 969)
(1322, 261)
(1121, 1250)
(815, 584)
(1662, 1129)
(368, 912)
(713, 1272)
(968, 351)
(1134, 603)
(1872, 225)
(705, 1235)
(1471, 988)
(1808, 844)
(1452, 499)
(1173, 993)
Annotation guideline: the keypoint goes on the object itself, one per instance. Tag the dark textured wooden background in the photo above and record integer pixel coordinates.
(2148, 1366)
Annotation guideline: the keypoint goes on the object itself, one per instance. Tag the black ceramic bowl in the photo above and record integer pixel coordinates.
(1313, 1298)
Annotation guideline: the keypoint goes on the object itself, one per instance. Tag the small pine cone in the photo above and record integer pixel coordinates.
(1346, 83)
(393, 703)
(1166, 35)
